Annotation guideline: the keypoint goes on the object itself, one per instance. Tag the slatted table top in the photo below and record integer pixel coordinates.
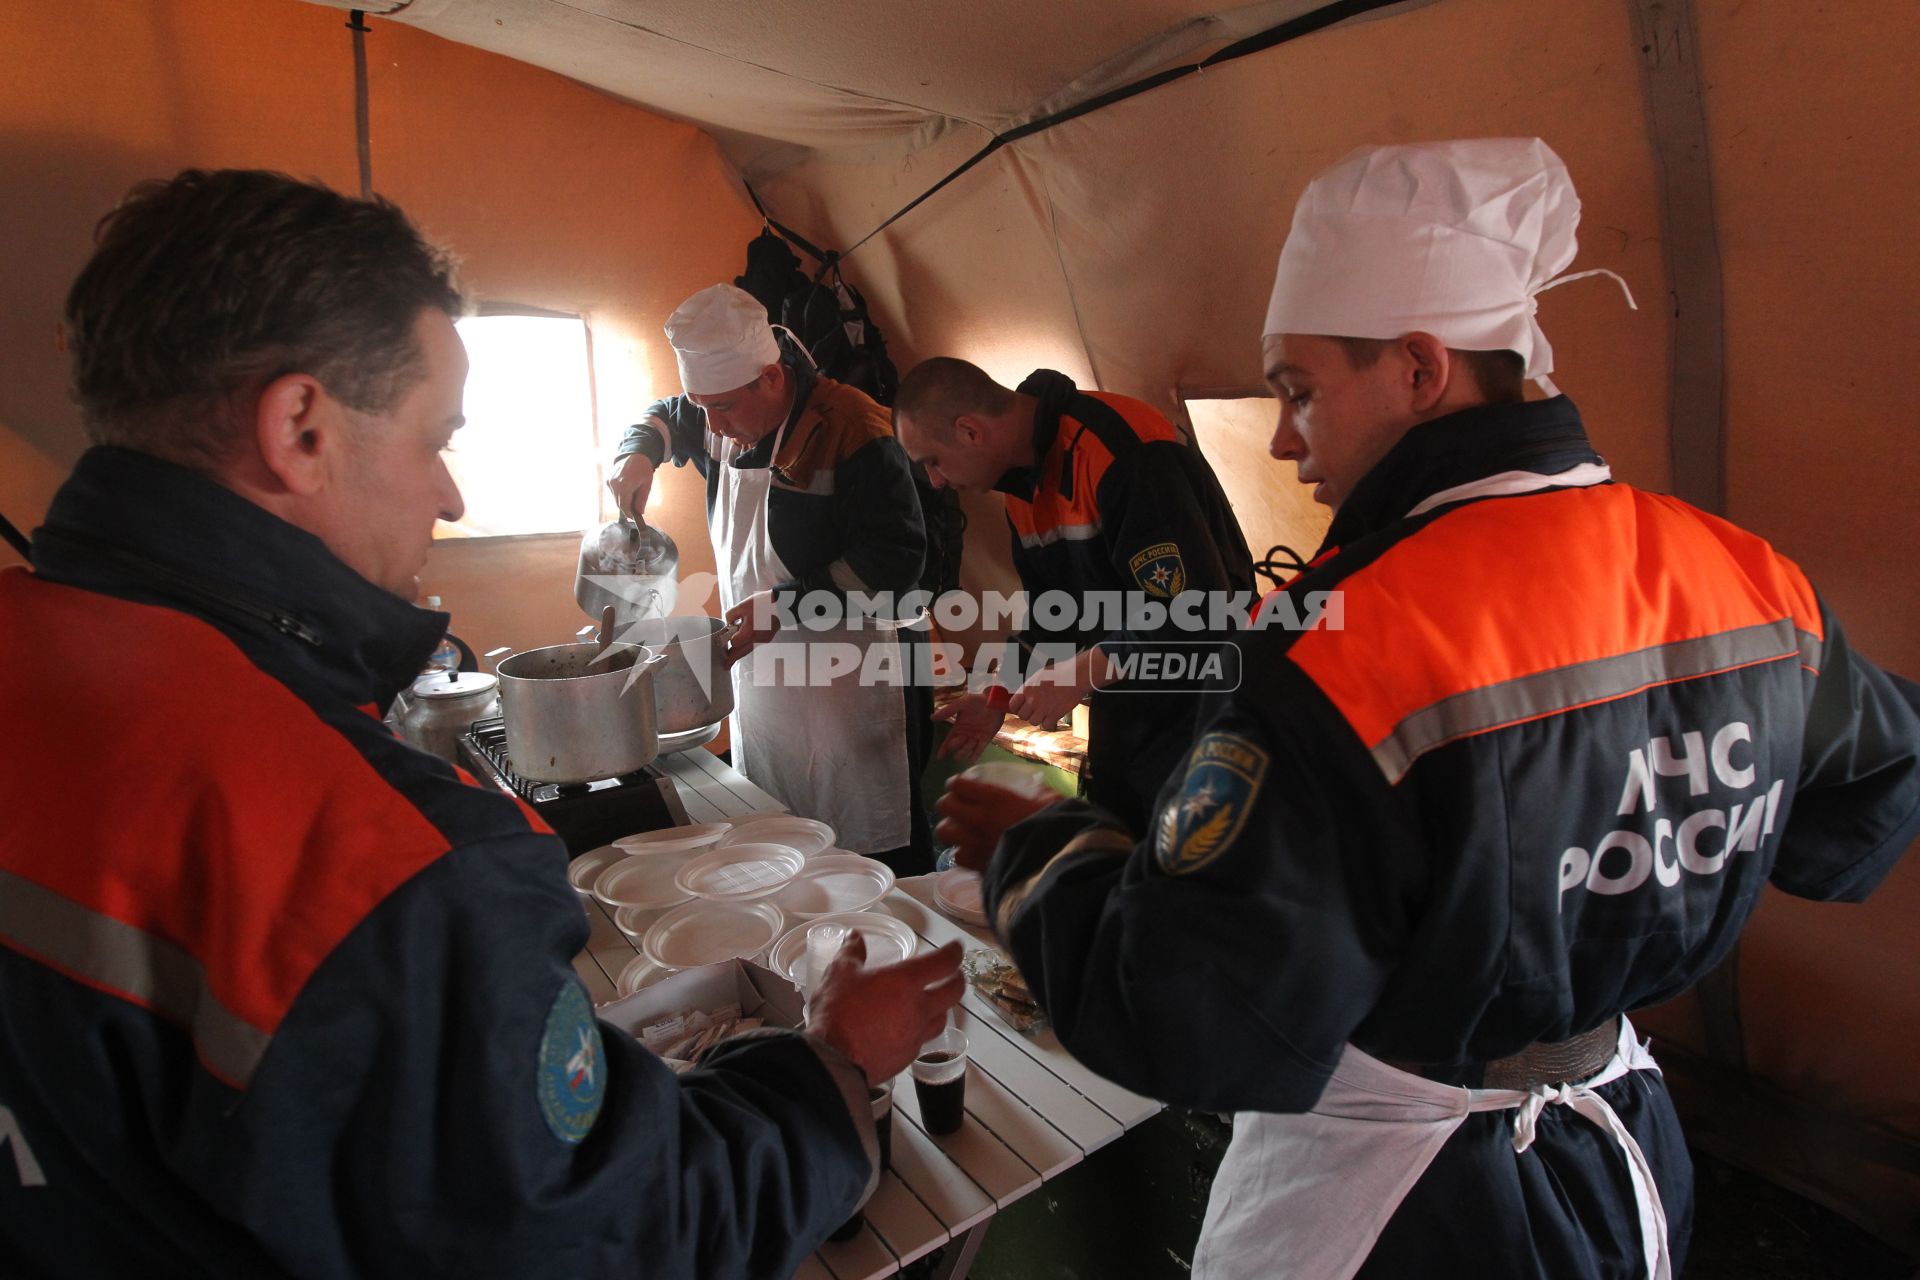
(1032, 1110)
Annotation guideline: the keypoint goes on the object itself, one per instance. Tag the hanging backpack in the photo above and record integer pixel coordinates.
(773, 272)
(830, 319)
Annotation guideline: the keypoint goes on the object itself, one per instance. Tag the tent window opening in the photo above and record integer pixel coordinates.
(1274, 509)
(525, 460)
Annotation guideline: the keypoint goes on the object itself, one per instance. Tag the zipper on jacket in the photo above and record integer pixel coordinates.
(208, 596)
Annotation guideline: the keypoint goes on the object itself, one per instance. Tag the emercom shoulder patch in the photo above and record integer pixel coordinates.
(571, 1076)
(1224, 773)
(1159, 570)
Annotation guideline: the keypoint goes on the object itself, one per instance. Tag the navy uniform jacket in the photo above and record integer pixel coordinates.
(842, 512)
(1120, 502)
(1539, 778)
(842, 515)
(284, 995)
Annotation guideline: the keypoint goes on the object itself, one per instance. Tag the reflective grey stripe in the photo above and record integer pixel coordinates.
(1564, 688)
(129, 961)
(1065, 533)
(1810, 650)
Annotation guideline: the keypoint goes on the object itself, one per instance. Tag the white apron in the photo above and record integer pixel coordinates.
(833, 751)
(1308, 1195)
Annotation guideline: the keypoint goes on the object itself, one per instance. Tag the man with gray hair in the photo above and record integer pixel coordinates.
(284, 995)
(1414, 872)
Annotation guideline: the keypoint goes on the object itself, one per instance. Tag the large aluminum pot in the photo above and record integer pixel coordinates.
(573, 716)
(692, 688)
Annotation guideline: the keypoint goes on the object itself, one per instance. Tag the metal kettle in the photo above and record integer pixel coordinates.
(443, 705)
(632, 567)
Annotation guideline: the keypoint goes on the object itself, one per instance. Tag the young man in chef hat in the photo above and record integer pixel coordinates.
(1414, 872)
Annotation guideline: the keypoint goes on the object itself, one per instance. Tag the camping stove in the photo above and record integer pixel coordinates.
(585, 815)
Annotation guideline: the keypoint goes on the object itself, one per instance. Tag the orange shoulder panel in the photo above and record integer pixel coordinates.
(192, 797)
(1512, 587)
(1050, 511)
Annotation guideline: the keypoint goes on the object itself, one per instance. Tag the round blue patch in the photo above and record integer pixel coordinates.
(572, 1074)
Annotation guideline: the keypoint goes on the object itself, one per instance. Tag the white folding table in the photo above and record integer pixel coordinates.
(1032, 1111)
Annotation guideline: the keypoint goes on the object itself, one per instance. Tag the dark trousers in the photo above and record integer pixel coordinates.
(1561, 1210)
(915, 858)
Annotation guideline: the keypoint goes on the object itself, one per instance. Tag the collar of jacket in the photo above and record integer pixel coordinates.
(805, 378)
(1544, 436)
(1052, 391)
(133, 525)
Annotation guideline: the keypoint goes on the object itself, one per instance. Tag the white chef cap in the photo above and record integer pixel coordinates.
(721, 340)
(1453, 238)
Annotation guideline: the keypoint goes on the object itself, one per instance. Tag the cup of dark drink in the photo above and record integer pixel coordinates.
(940, 1081)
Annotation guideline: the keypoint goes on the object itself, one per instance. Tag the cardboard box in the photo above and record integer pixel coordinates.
(760, 993)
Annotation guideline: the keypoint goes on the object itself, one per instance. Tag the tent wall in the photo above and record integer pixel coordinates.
(551, 194)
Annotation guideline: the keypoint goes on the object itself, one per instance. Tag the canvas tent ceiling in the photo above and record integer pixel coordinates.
(772, 82)
(1058, 250)
(1129, 248)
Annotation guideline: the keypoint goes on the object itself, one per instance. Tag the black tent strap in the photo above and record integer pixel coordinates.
(1280, 33)
(825, 257)
(15, 539)
(363, 145)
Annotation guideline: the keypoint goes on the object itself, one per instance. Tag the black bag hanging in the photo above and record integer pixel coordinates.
(830, 319)
(773, 272)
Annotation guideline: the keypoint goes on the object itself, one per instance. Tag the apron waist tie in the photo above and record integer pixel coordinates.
(1543, 1063)
(1319, 1188)
(1586, 1102)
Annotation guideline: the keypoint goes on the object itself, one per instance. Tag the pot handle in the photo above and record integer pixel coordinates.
(640, 668)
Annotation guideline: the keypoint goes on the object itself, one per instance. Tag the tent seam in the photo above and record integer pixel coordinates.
(1066, 279)
(929, 112)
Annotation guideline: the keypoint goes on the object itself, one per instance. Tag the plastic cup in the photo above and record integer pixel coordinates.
(823, 944)
(940, 1081)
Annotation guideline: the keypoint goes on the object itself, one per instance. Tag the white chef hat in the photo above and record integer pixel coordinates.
(1453, 238)
(721, 340)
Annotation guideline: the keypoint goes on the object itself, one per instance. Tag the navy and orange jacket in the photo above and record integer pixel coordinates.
(285, 996)
(1537, 778)
(842, 512)
(1120, 502)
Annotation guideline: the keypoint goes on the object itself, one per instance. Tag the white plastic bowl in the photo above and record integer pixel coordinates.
(648, 883)
(640, 972)
(737, 872)
(698, 933)
(674, 839)
(803, 834)
(835, 882)
(889, 941)
(585, 869)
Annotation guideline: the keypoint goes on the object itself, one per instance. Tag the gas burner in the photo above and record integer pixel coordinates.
(584, 814)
